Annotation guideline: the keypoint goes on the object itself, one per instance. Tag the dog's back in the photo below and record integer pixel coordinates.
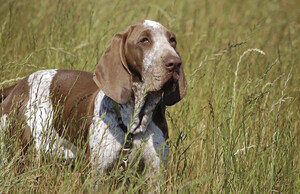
(4, 92)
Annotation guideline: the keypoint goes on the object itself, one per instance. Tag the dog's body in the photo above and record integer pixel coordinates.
(136, 77)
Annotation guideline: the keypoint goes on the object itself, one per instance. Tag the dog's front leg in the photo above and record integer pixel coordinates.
(155, 153)
(106, 142)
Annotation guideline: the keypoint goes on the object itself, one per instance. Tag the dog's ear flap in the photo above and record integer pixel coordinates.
(112, 74)
(179, 92)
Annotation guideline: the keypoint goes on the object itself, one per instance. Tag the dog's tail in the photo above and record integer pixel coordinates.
(4, 92)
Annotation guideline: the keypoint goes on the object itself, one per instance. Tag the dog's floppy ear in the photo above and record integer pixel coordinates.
(112, 74)
(179, 92)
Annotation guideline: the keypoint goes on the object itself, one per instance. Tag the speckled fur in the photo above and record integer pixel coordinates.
(152, 58)
(107, 138)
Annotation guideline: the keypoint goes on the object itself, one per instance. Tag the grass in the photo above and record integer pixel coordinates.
(236, 131)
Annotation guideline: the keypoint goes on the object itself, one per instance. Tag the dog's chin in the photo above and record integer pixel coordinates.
(170, 85)
(167, 85)
(171, 82)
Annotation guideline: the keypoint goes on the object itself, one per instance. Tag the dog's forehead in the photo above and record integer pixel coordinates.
(152, 24)
(143, 27)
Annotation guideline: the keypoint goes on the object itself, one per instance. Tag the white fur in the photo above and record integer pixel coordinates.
(155, 150)
(2, 130)
(152, 24)
(39, 113)
(2, 123)
(106, 138)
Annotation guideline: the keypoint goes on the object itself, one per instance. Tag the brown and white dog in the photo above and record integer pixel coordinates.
(140, 72)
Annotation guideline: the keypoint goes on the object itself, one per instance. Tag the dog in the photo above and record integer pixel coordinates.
(122, 104)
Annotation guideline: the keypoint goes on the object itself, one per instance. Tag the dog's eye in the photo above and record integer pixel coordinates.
(173, 40)
(145, 40)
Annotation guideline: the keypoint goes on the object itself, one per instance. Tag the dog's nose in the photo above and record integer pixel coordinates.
(172, 63)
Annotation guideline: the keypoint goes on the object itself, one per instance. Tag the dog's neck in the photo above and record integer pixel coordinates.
(137, 113)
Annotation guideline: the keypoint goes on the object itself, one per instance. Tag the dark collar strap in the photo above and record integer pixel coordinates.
(128, 136)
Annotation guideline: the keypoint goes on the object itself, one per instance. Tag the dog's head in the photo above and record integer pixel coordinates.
(145, 53)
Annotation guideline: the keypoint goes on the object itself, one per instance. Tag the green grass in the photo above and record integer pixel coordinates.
(234, 101)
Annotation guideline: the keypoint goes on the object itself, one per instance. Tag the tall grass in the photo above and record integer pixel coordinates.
(237, 130)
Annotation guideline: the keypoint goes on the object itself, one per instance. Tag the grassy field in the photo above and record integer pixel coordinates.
(236, 131)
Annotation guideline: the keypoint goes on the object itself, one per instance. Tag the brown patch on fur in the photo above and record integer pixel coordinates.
(72, 95)
(4, 92)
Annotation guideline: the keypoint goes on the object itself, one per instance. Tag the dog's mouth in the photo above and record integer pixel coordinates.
(170, 85)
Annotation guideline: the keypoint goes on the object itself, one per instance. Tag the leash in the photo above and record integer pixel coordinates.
(128, 136)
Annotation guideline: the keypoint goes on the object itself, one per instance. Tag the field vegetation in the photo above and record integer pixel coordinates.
(236, 131)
